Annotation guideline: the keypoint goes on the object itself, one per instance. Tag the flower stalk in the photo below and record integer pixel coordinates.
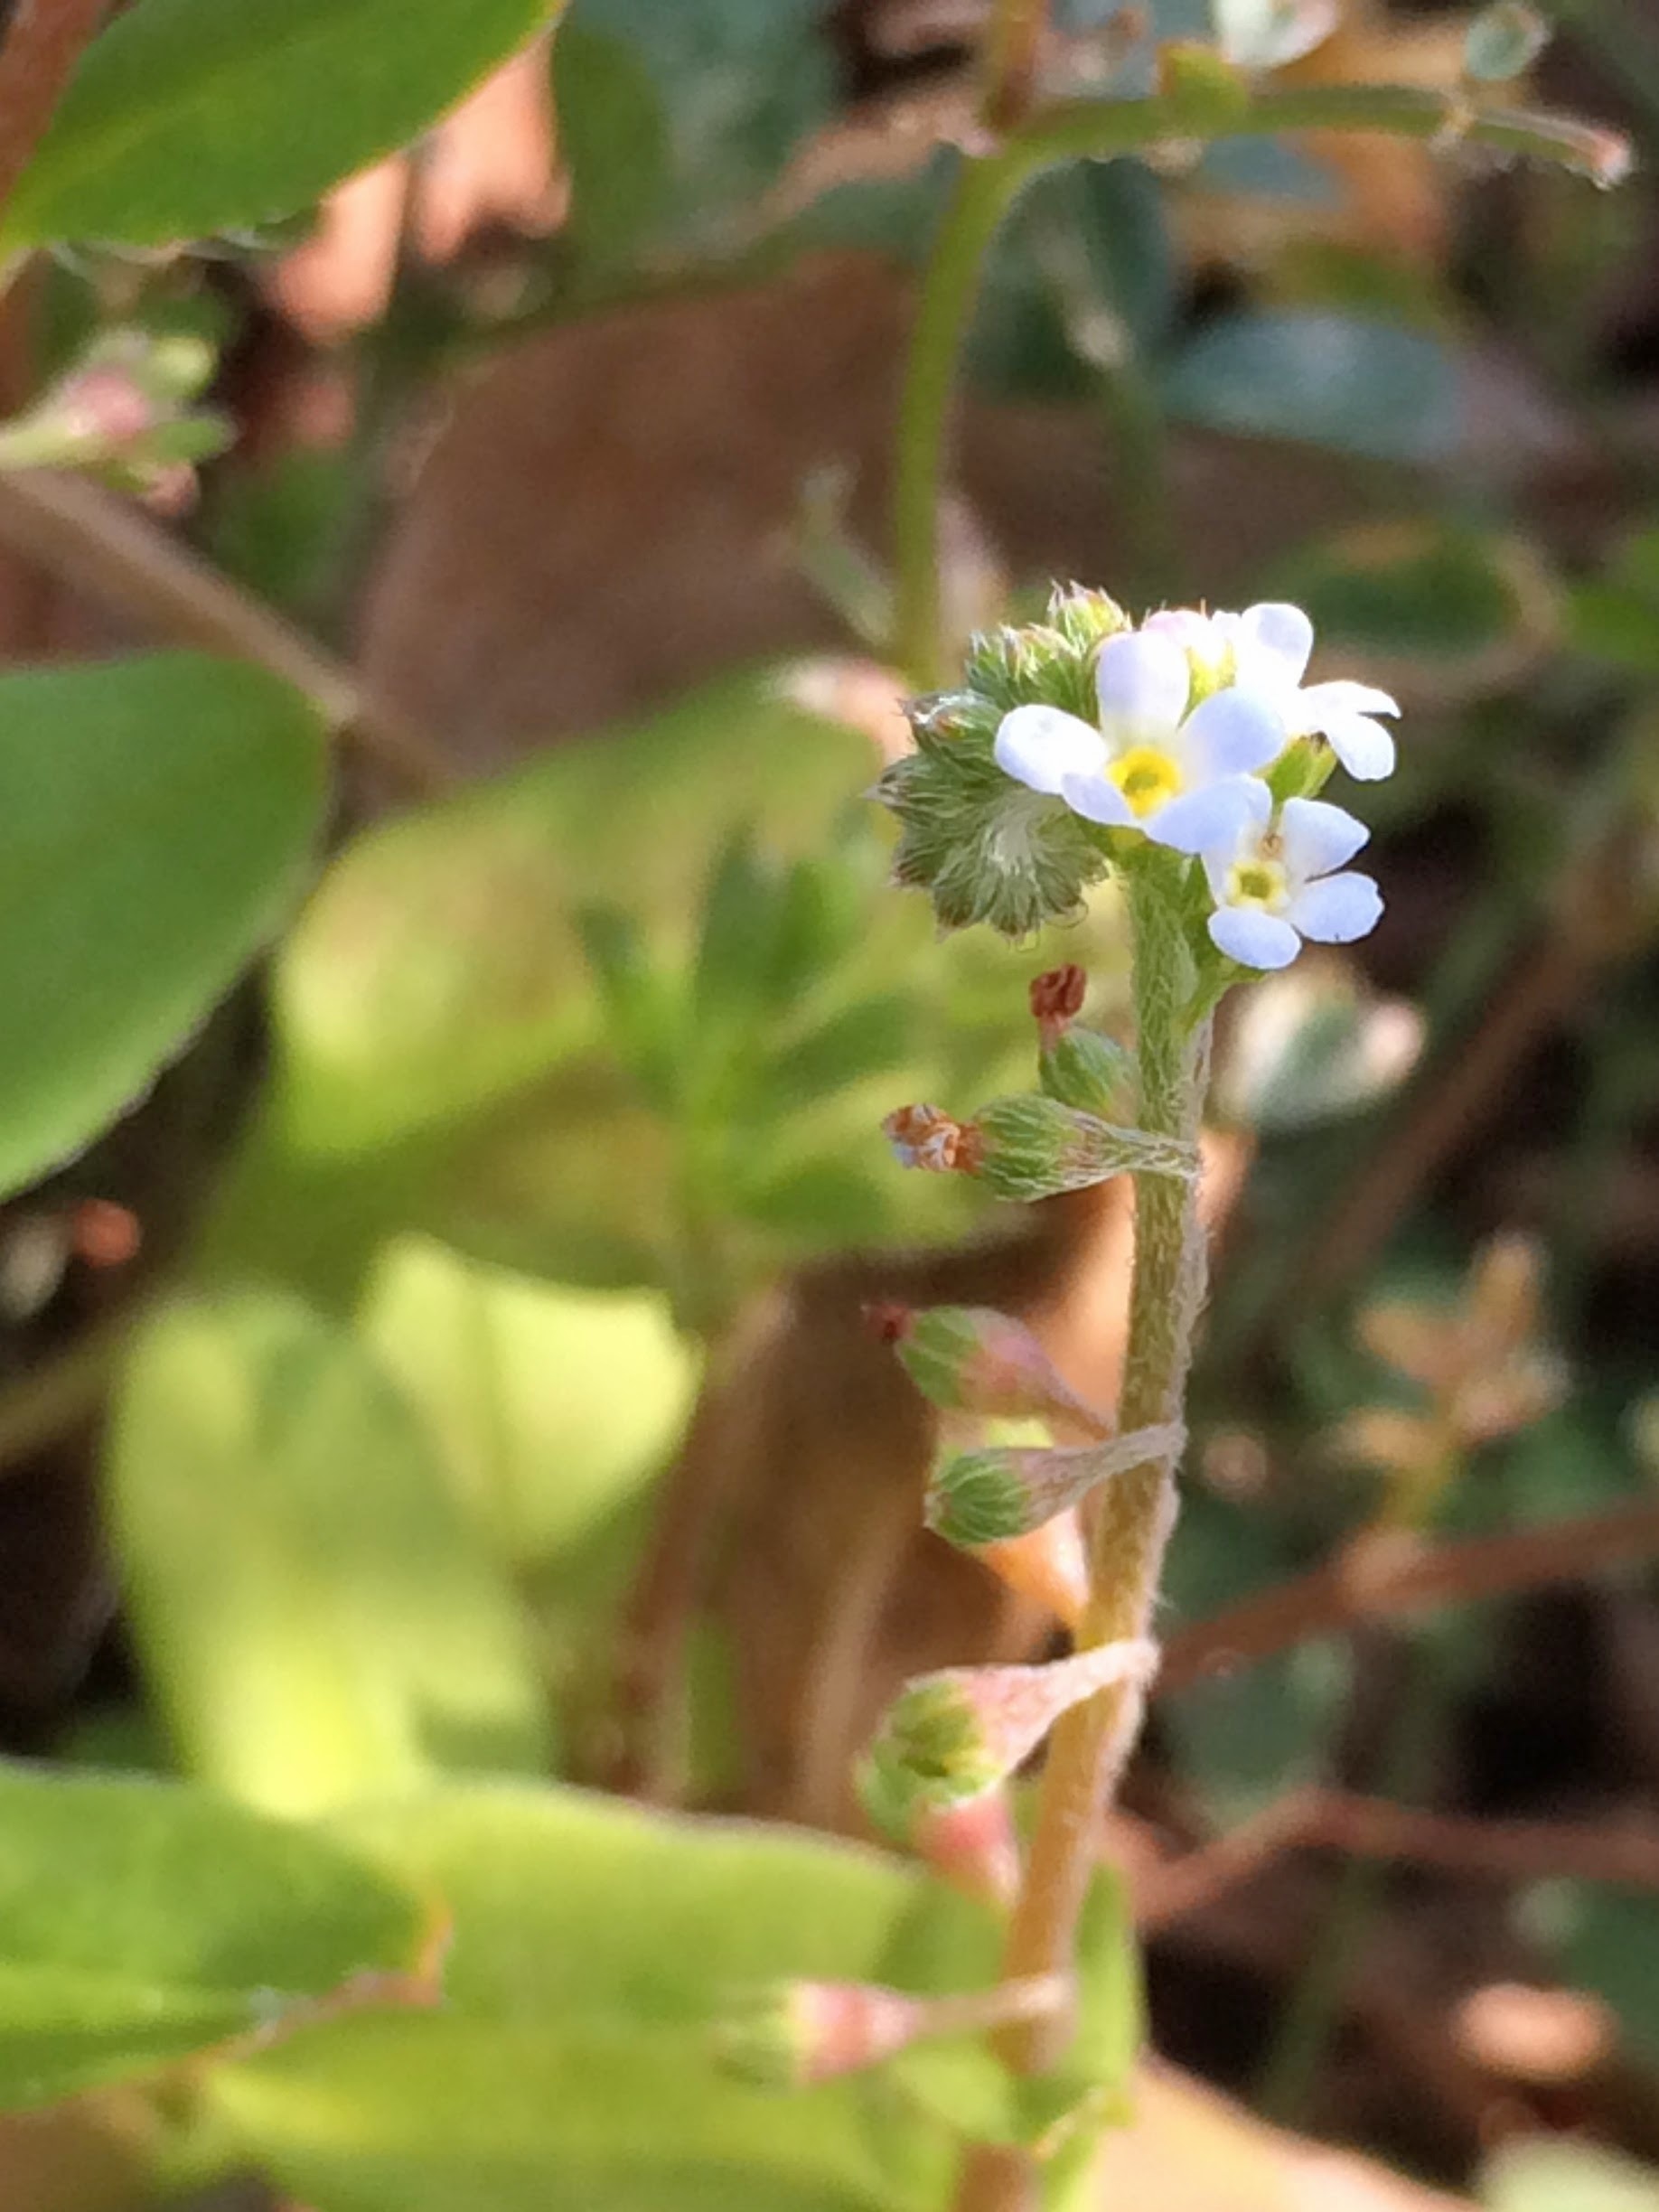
(1134, 1512)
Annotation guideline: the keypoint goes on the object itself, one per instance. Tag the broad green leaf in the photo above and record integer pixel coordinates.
(187, 117)
(1608, 1942)
(157, 818)
(594, 1947)
(1550, 2175)
(318, 1616)
(1360, 385)
(142, 1921)
(552, 1409)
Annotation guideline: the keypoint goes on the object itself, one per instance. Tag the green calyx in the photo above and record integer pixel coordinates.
(762, 2039)
(937, 1352)
(1091, 1073)
(1033, 1147)
(982, 847)
(930, 1752)
(978, 1499)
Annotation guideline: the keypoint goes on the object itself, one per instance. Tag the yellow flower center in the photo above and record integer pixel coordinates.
(1257, 882)
(1148, 779)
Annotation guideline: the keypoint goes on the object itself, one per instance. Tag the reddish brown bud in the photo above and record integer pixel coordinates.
(888, 1323)
(1057, 1001)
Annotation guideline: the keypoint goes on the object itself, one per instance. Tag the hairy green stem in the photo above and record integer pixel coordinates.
(1134, 1514)
(987, 186)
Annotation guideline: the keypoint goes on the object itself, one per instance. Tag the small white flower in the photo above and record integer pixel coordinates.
(1271, 645)
(1273, 884)
(1150, 765)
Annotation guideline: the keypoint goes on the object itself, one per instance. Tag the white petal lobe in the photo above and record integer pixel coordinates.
(1040, 747)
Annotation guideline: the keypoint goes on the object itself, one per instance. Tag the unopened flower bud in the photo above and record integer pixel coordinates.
(1056, 1000)
(797, 2033)
(1032, 1147)
(970, 1359)
(983, 1498)
(970, 1845)
(1092, 1072)
(953, 1735)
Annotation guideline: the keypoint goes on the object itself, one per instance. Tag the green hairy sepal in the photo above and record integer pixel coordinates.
(982, 847)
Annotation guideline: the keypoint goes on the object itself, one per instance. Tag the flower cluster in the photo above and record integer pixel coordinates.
(1074, 741)
(1192, 709)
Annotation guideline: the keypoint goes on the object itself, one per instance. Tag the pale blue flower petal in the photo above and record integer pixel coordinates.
(1259, 939)
(1364, 748)
(1142, 679)
(1336, 909)
(1040, 747)
(1241, 832)
(1213, 820)
(1231, 732)
(1317, 838)
(1316, 702)
(1098, 799)
(1275, 627)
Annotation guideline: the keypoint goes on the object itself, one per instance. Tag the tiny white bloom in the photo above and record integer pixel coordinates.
(1271, 645)
(1273, 881)
(1150, 764)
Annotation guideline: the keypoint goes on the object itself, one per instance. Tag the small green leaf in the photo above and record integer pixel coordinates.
(319, 1617)
(190, 117)
(158, 817)
(141, 1922)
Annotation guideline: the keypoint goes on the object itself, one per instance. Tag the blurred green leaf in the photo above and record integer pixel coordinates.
(1505, 39)
(158, 816)
(144, 1921)
(438, 969)
(594, 1947)
(1606, 1941)
(1547, 2174)
(1615, 616)
(738, 85)
(318, 1617)
(612, 137)
(552, 1409)
(188, 118)
(1243, 1738)
(866, 1038)
(1363, 387)
(1424, 591)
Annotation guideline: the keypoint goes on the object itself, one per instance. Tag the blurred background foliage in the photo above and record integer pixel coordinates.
(441, 1396)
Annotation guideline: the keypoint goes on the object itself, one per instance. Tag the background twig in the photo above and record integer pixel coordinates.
(43, 41)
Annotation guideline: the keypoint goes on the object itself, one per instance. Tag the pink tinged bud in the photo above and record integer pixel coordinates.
(972, 1845)
(800, 2033)
(956, 1734)
(982, 1497)
(971, 1359)
(107, 407)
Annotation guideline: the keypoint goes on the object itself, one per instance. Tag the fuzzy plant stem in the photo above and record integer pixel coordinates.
(1134, 1514)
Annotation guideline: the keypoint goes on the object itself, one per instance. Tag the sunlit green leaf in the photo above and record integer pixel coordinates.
(157, 817)
(142, 1921)
(1546, 2174)
(188, 116)
(552, 1409)
(594, 1947)
(316, 1613)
